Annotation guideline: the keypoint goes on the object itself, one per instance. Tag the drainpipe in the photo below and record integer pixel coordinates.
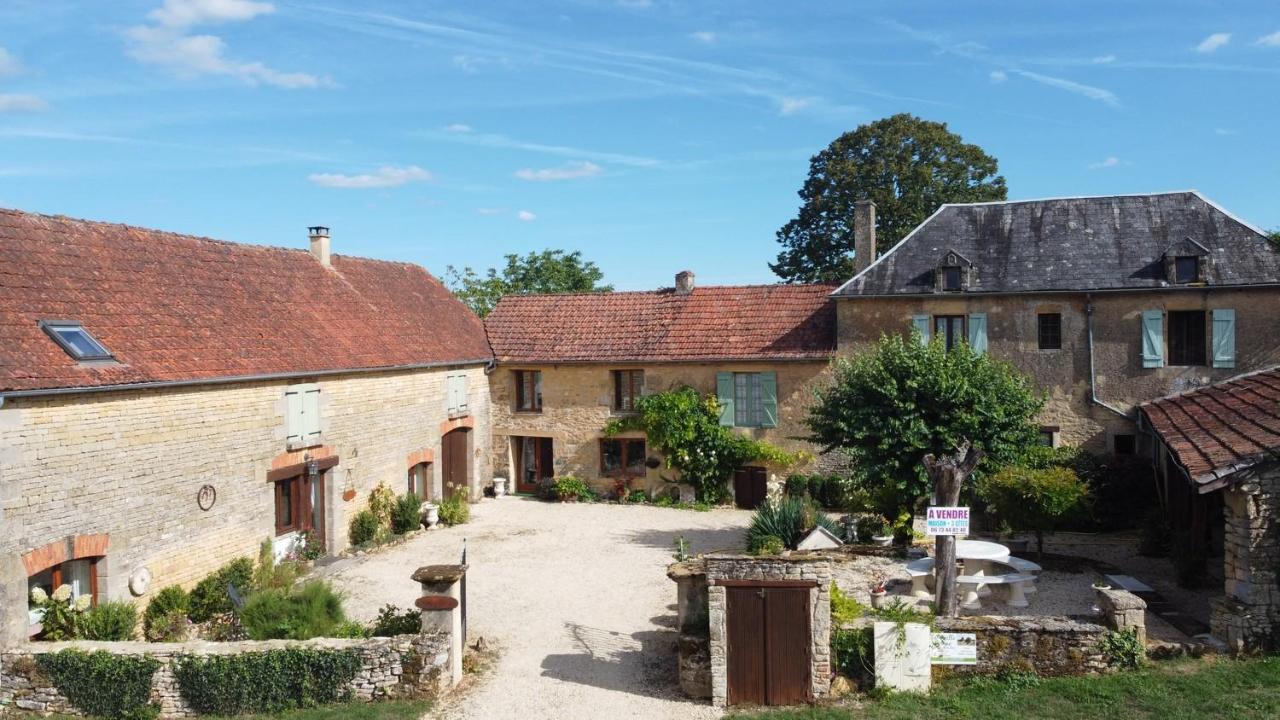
(1093, 378)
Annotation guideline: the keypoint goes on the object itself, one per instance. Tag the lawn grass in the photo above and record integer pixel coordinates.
(1174, 690)
(388, 710)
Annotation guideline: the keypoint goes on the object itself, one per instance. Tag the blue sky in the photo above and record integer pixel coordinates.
(651, 135)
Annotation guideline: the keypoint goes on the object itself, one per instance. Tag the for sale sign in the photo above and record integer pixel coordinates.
(947, 521)
(954, 649)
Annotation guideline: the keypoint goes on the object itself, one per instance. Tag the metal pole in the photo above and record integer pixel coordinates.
(464, 592)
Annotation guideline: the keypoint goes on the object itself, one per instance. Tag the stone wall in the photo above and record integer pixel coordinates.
(812, 568)
(125, 468)
(577, 402)
(408, 666)
(1122, 610)
(1049, 646)
(1248, 616)
(1064, 374)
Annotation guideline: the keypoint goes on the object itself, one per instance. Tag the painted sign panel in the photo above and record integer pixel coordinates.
(954, 649)
(947, 521)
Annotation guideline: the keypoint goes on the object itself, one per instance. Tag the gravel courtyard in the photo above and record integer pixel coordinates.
(575, 598)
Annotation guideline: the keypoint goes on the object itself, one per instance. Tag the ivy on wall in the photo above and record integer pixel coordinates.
(103, 684)
(266, 682)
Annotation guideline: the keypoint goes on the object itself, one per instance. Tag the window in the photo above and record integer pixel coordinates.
(288, 502)
(747, 399)
(949, 329)
(628, 385)
(1124, 444)
(1049, 436)
(80, 575)
(1187, 337)
(455, 390)
(748, 408)
(75, 340)
(529, 390)
(952, 279)
(1186, 269)
(302, 415)
(419, 479)
(622, 458)
(1050, 331)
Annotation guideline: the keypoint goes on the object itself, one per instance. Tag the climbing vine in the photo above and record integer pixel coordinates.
(266, 682)
(103, 684)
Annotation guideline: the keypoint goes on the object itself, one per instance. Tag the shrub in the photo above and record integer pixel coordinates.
(114, 620)
(364, 528)
(382, 502)
(547, 489)
(313, 610)
(844, 609)
(1122, 487)
(795, 485)
(158, 620)
(1122, 649)
(210, 597)
(1030, 499)
(173, 626)
(769, 545)
(638, 496)
(102, 684)
(854, 653)
(267, 682)
(270, 574)
(61, 614)
(407, 514)
(393, 621)
(455, 511)
(788, 519)
(350, 629)
(570, 489)
(309, 547)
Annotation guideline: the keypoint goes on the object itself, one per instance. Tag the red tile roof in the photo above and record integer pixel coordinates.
(748, 322)
(1215, 431)
(173, 307)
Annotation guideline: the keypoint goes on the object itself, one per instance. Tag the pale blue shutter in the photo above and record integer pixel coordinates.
(724, 395)
(921, 324)
(293, 416)
(311, 416)
(1152, 338)
(1224, 338)
(769, 398)
(978, 333)
(460, 393)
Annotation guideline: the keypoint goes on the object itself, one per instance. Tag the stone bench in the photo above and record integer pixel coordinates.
(920, 571)
(1024, 567)
(1015, 581)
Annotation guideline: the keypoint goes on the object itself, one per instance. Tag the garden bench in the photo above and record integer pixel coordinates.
(920, 571)
(1015, 581)
(1025, 567)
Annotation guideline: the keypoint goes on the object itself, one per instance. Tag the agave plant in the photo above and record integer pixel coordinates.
(789, 519)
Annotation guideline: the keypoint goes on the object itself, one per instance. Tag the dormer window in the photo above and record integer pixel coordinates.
(75, 340)
(952, 279)
(953, 273)
(1186, 263)
(1186, 269)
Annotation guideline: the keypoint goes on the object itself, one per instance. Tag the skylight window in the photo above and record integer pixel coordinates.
(75, 340)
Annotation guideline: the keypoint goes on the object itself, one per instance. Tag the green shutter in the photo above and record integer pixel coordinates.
(1224, 338)
(978, 333)
(1152, 338)
(921, 325)
(293, 416)
(311, 416)
(724, 395)
(769, 398)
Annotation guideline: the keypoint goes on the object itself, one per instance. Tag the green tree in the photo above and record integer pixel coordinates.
(549, 271)
(890, 407)
(1274, 237)
(1033, 499)
(906, 165)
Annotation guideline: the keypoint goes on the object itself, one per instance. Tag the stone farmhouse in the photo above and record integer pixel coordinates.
(567, 364)
(169, 402)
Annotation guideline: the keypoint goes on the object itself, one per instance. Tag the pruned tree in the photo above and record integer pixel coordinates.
(948, 474)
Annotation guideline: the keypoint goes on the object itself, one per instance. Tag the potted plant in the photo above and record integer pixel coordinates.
(878, 591)
(1101, 584)
(430, 514)
(880, 533)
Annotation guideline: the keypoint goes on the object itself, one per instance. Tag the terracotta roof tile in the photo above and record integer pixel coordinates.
(748, 322)
(1217, 430)
(180, 308)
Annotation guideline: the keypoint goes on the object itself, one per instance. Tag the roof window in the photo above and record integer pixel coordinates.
(75, 340)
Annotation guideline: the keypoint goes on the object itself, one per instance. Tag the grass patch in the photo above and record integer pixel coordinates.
(389, 710)
(1174, 690)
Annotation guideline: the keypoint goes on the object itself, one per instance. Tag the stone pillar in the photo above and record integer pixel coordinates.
(441, 608)
(13, 601)
(690, 577)
(1122, 610)
(1248, 617)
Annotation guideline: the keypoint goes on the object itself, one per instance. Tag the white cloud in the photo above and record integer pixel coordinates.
(458, 128)
(998, 76)
(383, 177)
(1272, 40)
(1213, 42)
(9, 64)
(476, 63)
(490, 211)
(21, 103)
(1104, 59)
(568, 171)
(1110, 162)
(525, 216)
(792, 105)
(1089, 91)
(491, 140)
(184, 13)
(704, 36)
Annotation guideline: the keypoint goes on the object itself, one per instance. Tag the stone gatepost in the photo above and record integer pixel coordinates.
(1122, 610)
(441, 608)
(1248, 617)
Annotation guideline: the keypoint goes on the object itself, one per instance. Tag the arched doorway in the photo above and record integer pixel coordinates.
(455, 466)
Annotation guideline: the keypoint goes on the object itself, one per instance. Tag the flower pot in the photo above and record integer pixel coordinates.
(877, 598)
(499, 487)
(884, 540)
(430, 515)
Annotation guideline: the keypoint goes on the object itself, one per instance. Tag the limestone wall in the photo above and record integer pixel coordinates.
(1248, 616)
(1048, 646)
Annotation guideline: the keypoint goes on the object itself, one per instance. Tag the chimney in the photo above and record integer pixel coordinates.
(864, 235)
(684, 282)
(320, 244)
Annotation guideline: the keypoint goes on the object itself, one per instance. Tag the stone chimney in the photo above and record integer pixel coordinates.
(320, 244)
(864, 235)
(684, 282)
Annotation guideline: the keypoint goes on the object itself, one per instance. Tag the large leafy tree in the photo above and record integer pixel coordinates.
(890, 407)
(906, 165)
(549, 271)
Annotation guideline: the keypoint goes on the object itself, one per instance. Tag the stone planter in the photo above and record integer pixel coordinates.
(877, 598)
(430, 515)
(499, 487)
(882, 540)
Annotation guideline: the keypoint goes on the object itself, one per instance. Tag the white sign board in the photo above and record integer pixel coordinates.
(947, 521)
(954, 649)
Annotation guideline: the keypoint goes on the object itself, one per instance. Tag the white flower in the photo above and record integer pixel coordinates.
(39, 596)
(63, 593)
(83, 602)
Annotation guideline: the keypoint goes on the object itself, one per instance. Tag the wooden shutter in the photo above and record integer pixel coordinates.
(311, 415)
(1152, 338)
(921, 324)
(1224, 338)
(978, 333)
(463, 393)
(724, 395)
(769, 398)
(293, 416)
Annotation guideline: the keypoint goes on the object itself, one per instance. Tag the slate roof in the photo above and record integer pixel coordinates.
(1221, 429)
(747, 322)
(174, 308)
(1071, 244)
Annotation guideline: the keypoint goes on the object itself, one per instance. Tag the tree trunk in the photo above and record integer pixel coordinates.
(948, 475)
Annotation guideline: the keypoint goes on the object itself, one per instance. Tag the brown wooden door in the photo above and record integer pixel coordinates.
(455, 475)
(768, 645)
(750, 484)
(313, 489)
(535, 462)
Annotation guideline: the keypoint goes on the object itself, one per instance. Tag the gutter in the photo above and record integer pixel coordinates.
(1093, 376)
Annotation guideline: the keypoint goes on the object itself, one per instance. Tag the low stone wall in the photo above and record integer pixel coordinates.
(398, 667)
(1049, 646)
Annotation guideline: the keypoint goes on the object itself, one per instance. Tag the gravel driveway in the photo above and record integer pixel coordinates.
(575, 597)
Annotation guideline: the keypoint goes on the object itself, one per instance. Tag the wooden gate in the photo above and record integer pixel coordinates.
(750, 484)
(768, 642)
(455, 464)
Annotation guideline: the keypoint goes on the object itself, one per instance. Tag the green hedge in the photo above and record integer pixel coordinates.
(210, 597)
(102, 684)
(266, 682)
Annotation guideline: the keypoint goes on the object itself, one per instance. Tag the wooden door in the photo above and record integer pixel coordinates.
(750, 484)
(535, 462)
(313, 491)
(455, 475)
(768, 644)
